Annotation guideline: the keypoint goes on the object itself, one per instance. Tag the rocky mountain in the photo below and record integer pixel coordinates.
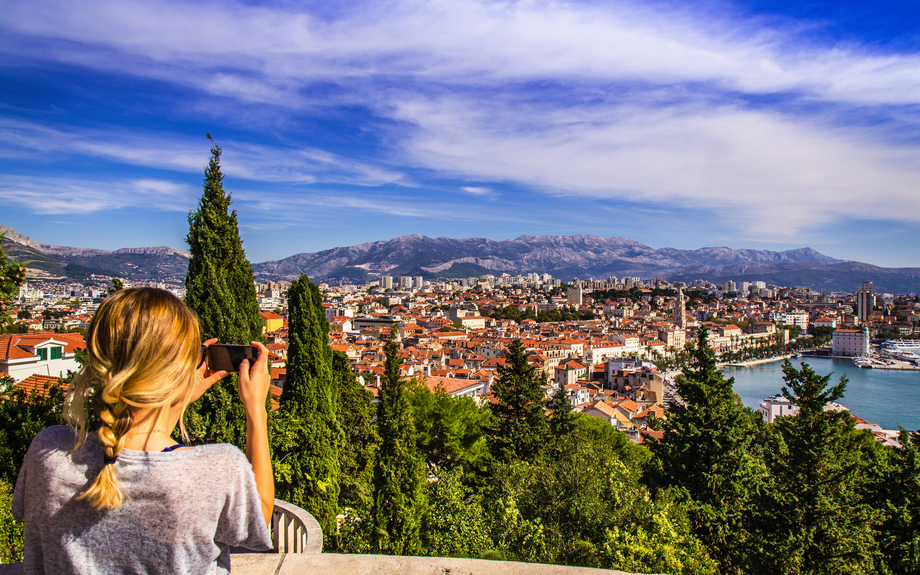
(64, 262)
(564, 257)
(561, 256)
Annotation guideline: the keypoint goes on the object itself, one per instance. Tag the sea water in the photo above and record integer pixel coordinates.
(885, 396)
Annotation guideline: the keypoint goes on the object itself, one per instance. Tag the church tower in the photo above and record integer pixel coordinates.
(680, 310)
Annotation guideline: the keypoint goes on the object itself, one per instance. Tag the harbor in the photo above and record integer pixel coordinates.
(887, 396)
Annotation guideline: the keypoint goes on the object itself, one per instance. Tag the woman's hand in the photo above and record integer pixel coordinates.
(254, 382)
(204, 377)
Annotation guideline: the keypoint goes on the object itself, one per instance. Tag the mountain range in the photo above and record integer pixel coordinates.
(63, 262)
(565, 257)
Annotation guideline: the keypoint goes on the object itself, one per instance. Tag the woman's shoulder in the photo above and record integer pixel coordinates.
(218, 453)
(54, 438)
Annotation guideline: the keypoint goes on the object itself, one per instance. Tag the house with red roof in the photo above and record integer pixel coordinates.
(51, 354)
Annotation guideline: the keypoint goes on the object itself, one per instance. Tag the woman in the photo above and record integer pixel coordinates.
(129, 499)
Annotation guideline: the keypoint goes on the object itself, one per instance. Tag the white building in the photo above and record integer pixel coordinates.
(52, 354)
(794, 317)
(851, 342)
(777, 406)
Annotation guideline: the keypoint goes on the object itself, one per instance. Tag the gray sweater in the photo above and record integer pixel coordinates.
(182, 510)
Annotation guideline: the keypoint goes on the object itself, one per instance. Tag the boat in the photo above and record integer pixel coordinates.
(899, 346)
(862, 362)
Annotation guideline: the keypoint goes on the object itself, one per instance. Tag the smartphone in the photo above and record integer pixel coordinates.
(228, 357)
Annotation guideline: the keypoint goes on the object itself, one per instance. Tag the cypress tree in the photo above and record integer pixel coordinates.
(562, 421)
(521, 427)
(220, 288)
(706, 449)
(309, 398)
(814, 516)
(356, 413)
(399, 474)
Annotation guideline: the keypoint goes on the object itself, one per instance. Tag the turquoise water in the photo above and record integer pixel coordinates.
(884, 396)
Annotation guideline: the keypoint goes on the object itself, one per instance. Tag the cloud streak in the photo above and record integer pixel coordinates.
(658, 104)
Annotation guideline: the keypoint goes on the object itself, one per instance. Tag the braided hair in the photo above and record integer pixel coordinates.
(142, 350)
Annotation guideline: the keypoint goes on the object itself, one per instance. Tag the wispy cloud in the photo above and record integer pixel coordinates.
(257, 52)
(770, 171)
(69, 196)
(664, 104)
(282, 163)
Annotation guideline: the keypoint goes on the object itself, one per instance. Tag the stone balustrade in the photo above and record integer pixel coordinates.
(294, 530)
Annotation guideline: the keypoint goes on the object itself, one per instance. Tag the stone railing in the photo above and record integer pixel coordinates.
(294, 530)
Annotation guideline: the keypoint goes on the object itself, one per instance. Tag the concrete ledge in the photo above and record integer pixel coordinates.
(335, 564)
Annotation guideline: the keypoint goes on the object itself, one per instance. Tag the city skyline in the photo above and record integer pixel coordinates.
(759, 125)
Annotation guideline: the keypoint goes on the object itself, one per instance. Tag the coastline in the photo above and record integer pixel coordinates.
(754, 361)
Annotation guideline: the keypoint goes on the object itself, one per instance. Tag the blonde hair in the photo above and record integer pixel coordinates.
(142, 350)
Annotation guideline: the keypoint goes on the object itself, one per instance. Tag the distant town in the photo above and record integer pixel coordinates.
(612, 343)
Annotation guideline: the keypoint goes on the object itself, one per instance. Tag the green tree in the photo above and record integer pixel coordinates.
(22, 415)
(588, 507)
(814, 516)
(11, 532)
(311, 479)
(450, 431)
(562, 421)
(521, 427)
(455, 524)
(896, 495)
(399, 473)
(706, 449)
(12, 274)
(220, 288)
(356, 413)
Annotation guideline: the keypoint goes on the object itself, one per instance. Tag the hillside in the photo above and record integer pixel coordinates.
(63, 262)
(565, 257)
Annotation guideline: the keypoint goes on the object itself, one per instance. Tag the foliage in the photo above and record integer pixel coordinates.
(11, 532)
(309, 398)
(12, 274)
(587, 507)
(706, 451)
(456, 524)
(356, 412)
(521, 428)
(813, 516)
(450, 431)
(22, 415)
(896, 494)
(219, 287)
(562, 420)
(399, 472)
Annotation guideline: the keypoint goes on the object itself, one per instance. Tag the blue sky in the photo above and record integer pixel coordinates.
(750, 124)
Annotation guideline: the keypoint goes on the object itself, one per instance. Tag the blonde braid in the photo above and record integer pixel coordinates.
(105, 491)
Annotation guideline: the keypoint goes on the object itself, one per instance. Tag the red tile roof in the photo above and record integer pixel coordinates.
(37, 383)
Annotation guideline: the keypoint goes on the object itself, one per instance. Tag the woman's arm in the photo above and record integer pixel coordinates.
(254, 382)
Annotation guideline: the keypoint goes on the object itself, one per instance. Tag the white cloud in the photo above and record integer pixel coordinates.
(773, 174)
(183, 153)
(618, 101)
(263, 54)
(68, 196)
